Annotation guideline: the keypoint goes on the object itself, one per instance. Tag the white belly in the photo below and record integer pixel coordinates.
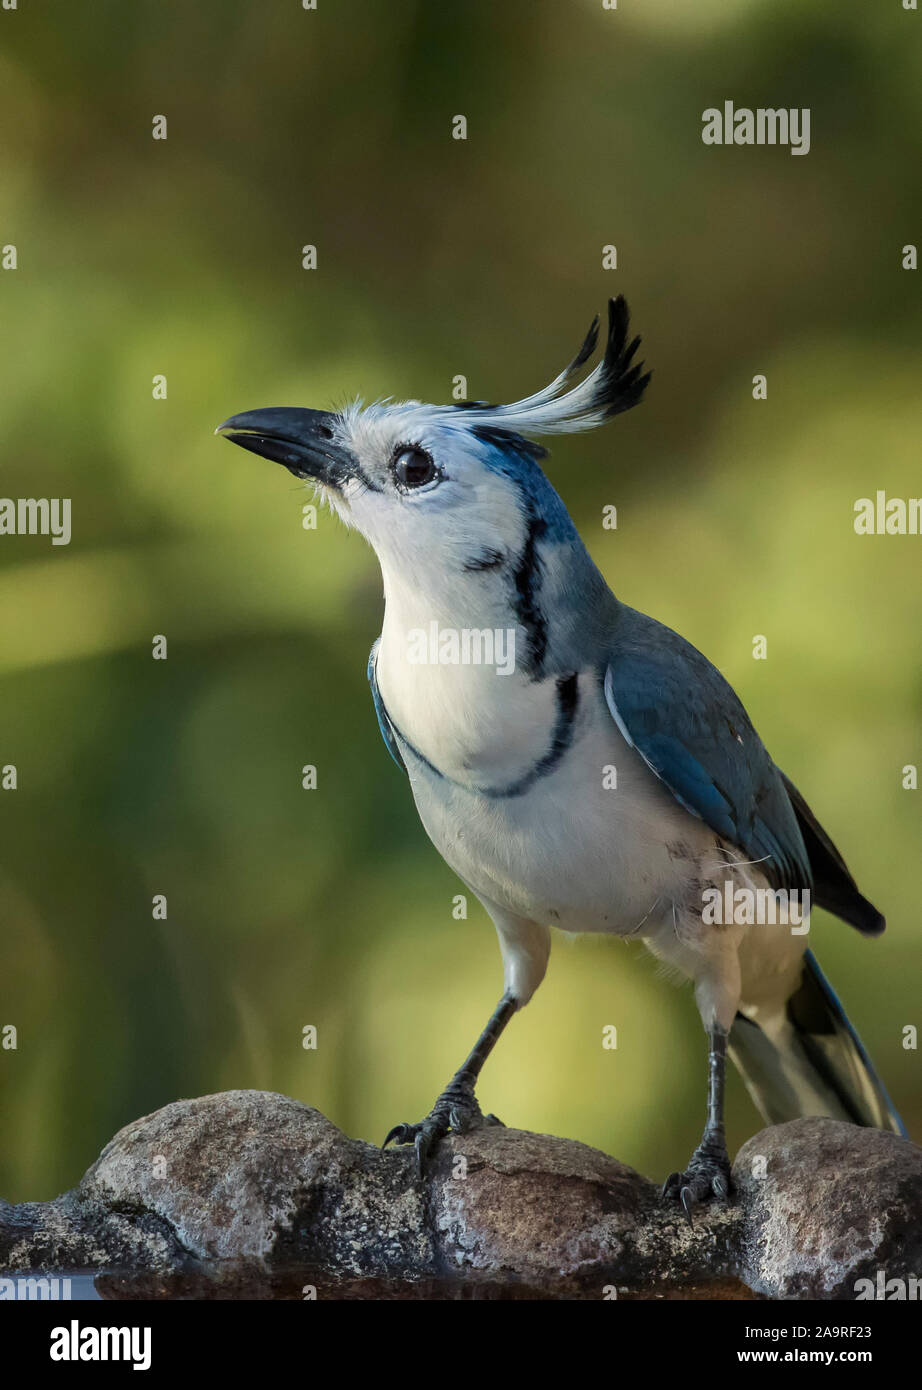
(571, 851)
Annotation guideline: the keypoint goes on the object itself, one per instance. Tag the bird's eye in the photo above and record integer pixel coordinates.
(413, 467)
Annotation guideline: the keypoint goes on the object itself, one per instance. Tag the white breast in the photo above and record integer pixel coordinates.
(571, 850)
(481, 729)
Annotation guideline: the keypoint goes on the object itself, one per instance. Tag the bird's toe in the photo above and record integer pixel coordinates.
(707, 1176)
(400, 1134)
(455, 1112)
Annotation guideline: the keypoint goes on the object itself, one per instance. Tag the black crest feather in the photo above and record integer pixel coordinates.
(616, 384)
(621, 382)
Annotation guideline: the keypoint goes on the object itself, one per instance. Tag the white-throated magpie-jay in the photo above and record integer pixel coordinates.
(604, 779)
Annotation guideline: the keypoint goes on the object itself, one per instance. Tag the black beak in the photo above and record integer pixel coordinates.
(300, 440)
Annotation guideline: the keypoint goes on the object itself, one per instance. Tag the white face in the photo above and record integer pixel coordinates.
(444, 490)
(423, 492)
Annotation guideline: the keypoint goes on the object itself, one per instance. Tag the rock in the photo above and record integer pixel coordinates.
(252, 1176)
(560, 1214)
(827, 1205)
(250, 1192)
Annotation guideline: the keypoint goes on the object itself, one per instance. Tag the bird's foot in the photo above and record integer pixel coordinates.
(455, 1112)
(707, 1175)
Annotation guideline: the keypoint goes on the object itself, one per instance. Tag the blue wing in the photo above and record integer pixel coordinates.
(688, 724)
(387, 732)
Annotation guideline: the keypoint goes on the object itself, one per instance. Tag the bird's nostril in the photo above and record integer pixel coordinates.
(325, 431)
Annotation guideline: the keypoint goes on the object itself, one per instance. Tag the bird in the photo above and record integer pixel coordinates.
(607, 779)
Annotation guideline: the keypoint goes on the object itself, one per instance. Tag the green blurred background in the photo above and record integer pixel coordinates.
(435, 257)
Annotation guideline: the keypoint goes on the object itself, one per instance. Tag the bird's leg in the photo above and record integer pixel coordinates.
(456, 1108)
(708, 1173)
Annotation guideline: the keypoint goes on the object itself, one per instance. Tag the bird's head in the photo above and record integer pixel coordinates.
(457, 487)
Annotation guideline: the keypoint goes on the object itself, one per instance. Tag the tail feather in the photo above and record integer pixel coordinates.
(810, 1061)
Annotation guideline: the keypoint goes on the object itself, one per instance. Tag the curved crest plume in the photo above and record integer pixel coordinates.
(614, 385)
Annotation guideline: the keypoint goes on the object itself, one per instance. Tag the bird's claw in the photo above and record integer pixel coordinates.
(707, 1175)
(453, 1113)
(400, 1134)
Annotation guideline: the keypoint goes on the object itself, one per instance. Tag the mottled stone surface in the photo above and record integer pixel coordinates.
(250, 1191)
(551, 1210)
(255, 1176)
(826, 1205)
